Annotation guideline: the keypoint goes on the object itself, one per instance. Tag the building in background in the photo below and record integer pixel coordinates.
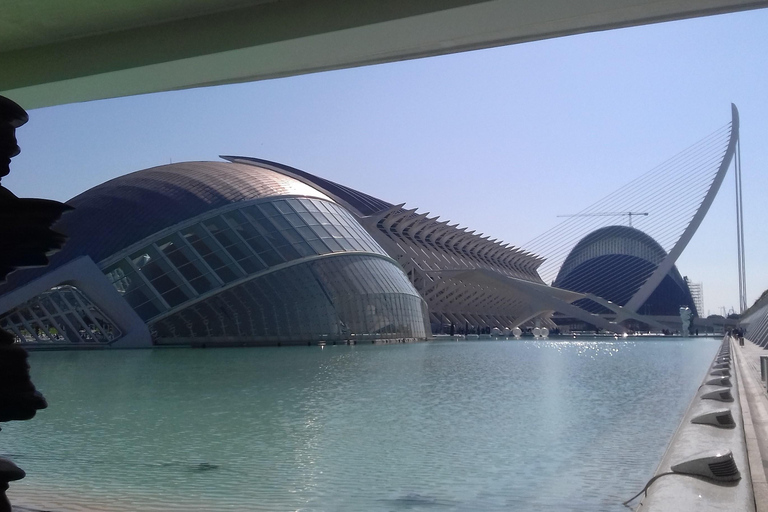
(697, 293)
(754, 321)
(613, 263)
(212, 253)
(622, 249)
(470, 282)
(256, 252)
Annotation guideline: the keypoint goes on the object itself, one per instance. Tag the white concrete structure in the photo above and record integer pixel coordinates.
(697, 293)
(72, 304)
(206, 253)
(470, 282)
(712, 429)
(755, 322)
(53, 53)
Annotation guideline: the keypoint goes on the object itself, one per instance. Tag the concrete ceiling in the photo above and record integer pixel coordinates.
(54, 52)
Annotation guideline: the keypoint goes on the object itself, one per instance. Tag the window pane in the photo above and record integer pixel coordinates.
(345, 244)
(304, 249)
(323, 218)
(332, 244)
(308, 218)
(121, 277)
(206, 249)
(307, 233)
(269, 209)
(139, 299)
(335, 233)
(186, 263)
(294, 219)
(310, 205)
(292, 236)
(319, 246)
(321, 232)
(289, 252)
(297, 205)
(282, 207)
(280, 223)
(161, 276)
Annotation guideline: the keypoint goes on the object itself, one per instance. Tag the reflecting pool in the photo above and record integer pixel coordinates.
(455, 426)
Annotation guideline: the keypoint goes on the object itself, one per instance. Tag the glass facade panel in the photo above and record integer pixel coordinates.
(134, 290)
(288, 251)
(352, 297)
(308, 218)
(296, 205)
(298, 243)
(319, 246)
(234, 245)
(307, 233)
(208, 250)
(326, 219)
(283, 207)
(332, 244)
(290, 237)
(335, 233)
(269, 209)
(281, 223)
(309, 205)
(160, 275)
(294, 219)
(346, 245)
(258, 233)
(187, 263)
(321, 232)
(322, 206)
(225, 247)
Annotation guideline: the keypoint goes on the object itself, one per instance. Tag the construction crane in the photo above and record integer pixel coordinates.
(629, 215)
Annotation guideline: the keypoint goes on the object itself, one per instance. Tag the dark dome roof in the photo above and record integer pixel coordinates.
(612, 240)
(613, 262)
(127, 209)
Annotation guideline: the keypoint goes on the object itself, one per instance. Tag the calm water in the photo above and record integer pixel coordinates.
(442, 426)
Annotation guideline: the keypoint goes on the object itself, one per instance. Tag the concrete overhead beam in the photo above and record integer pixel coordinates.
(94, 50)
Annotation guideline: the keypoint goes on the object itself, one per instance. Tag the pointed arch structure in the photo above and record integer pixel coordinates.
(634, 255)
(666, 265)
(590, 252)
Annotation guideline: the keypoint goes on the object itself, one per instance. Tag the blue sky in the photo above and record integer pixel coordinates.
(500, 140)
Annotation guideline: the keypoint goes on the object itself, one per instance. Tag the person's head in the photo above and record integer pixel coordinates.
(11, 117)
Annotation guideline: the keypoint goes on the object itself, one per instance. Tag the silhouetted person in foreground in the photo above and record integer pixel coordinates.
(26, 240)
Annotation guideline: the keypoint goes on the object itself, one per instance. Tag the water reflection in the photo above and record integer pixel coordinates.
(483, 425)
(591, 348)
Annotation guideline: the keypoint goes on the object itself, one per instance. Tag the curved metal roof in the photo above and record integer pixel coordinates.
(613, 262)
(364, 204)
(127, 209)
(612, 240)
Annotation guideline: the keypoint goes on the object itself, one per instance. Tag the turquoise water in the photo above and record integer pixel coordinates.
(440, 426)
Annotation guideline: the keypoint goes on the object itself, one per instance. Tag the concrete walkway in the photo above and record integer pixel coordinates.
(754, 405)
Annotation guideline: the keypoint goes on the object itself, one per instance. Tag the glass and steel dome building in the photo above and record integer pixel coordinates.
(214, 253)
(613, 262)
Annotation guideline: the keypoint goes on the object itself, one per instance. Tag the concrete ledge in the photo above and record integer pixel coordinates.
(754, 405)
(675, 492)
(85, 275)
